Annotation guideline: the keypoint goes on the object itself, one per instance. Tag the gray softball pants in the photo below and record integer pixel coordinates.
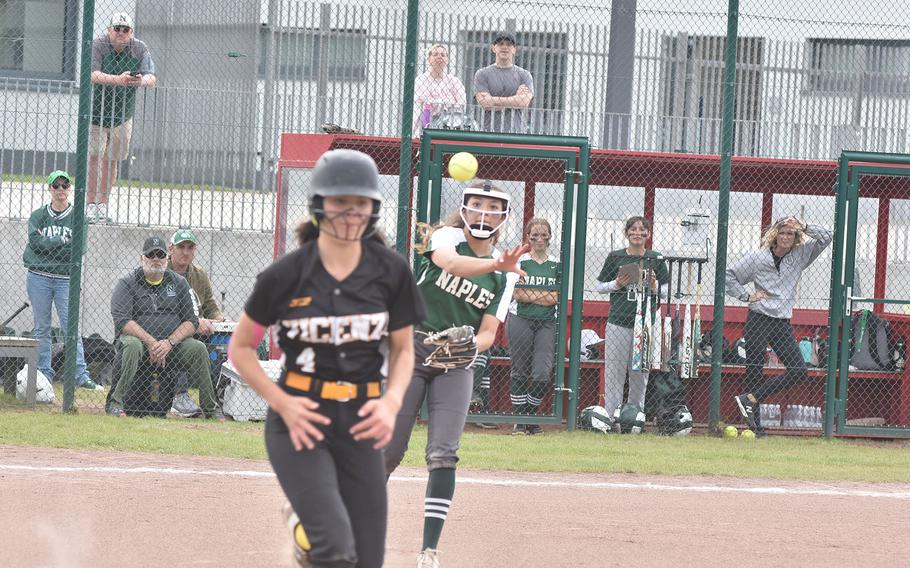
(618, 361)
(532, 346)
(448, 395)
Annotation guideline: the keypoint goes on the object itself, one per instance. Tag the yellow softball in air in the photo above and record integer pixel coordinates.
(463, 166)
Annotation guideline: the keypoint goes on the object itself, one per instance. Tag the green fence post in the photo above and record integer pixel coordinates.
(79, 231)
(836, 308)
(578, 279)
(407, 146)
(723, 212)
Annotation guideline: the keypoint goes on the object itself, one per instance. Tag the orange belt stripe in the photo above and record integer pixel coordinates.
(333, 390)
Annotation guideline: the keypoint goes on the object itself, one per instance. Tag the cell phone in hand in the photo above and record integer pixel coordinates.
(136, 73)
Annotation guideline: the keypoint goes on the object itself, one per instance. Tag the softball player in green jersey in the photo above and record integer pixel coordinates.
(464, 283)
(531, 325)
(620, 321)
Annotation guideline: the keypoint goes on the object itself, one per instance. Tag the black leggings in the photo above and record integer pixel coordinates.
(338, 489)
(761, 331)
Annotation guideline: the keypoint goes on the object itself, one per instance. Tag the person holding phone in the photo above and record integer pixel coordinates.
(120, 64)
(787, 248)
(618, 279)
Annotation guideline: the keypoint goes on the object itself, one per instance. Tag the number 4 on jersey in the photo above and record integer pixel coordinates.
(307, 360)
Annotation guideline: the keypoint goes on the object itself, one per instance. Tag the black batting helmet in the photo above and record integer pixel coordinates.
(345, 172)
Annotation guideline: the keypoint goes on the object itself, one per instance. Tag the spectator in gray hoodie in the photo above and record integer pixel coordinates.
(774, 270)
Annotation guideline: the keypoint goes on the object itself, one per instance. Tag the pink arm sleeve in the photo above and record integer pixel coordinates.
(258, 334)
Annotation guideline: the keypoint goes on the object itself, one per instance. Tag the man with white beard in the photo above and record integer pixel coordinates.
(154, 322)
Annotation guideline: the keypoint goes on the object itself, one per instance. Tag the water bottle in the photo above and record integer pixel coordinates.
(805, 348)
(427, 115)
(900, 355)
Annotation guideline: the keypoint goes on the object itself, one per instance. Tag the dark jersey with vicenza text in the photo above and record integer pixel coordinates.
(332, 330)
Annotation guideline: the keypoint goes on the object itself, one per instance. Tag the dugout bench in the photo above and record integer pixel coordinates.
(880, 395)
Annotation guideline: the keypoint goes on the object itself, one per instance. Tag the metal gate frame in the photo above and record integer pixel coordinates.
(574, 151)
(852, 168)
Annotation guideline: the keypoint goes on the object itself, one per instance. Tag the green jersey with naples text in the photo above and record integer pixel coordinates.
(452, 300)
(541, 276)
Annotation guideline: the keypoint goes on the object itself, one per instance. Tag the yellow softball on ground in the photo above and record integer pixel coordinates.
(748, 434)
(463, 166)
(730, 432)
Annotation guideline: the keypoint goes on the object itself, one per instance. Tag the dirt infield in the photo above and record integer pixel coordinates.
(64, 508)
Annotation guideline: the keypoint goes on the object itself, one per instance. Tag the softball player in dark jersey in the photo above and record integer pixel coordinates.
(464, 282)
(332, 302)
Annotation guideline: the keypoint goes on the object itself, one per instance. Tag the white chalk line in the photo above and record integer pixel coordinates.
(502, 482)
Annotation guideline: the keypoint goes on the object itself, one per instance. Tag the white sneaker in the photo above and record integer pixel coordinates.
(102, 214)
(428, 558)
(91, 211)
(299, 557)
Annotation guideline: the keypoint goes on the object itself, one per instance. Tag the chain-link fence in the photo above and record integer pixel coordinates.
(189, 104)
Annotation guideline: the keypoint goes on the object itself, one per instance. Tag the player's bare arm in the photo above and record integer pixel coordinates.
(487, 333)
(532, 296)
(448, 259)
(299, 413)
(379, 414)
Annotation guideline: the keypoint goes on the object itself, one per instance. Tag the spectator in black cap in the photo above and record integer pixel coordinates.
(503, 89)
(154, 320)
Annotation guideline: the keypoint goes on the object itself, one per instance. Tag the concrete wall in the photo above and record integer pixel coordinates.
(232, 259)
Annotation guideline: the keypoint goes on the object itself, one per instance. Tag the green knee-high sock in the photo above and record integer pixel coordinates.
(518, 391)
(485, 393)
(536, 392)
(440, 488)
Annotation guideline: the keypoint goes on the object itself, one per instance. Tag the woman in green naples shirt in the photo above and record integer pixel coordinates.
(531, 326)
(618, 333)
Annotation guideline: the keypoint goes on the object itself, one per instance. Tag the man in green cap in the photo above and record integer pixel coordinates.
(47, 257)
(181, 254)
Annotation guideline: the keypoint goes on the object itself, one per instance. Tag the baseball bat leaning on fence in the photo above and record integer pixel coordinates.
(12, 317)
(637, 331)
(657, 335)
(646, 325)
(696, 326)
(667, 337)
(685, 356)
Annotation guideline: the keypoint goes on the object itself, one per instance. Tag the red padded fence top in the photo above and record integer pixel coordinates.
(619, 168)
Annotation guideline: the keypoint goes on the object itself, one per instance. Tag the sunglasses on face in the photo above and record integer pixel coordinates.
(122, 29)
(539, 237)
(61, 186)
(157, 254)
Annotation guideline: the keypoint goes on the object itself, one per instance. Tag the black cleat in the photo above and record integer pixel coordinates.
(748, 407)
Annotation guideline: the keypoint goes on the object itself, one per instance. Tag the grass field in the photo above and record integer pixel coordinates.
(813, 459)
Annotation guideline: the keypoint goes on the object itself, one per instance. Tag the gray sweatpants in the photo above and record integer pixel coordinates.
(448, 395)
(618, 360)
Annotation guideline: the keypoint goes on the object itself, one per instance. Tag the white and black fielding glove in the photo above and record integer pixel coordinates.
(456, 348)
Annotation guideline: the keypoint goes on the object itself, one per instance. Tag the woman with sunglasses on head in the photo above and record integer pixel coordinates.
(333, 303)
(47, 257)
(436, 90)
(531, 326)
(464, 282)
(618, 335)
(787, 248)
